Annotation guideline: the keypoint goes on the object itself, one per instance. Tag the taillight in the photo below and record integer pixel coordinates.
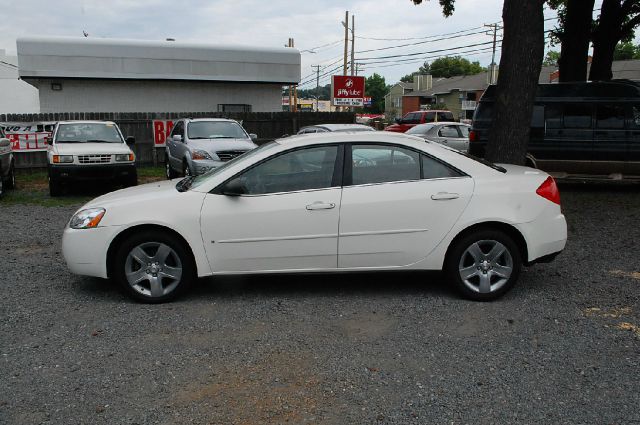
(549, 190)
(473, 136)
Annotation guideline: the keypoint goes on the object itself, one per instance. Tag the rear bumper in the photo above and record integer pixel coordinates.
(93, 172)
(546, 237)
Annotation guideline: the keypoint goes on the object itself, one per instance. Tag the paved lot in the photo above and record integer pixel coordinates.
(562, 347)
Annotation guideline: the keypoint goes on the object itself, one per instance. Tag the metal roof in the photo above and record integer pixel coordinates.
(103, 58)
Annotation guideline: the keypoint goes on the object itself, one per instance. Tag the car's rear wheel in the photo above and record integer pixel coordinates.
(170, 173)
(484, 265)
(153, 266)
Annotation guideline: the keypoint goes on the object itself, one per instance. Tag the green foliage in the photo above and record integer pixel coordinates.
(424, 69)
(376, 87)
(324, 93)
(448, 6)
(626, 51)
(551, 59)
(452, 66)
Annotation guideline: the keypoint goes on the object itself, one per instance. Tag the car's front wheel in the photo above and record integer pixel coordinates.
(484, 265)
(169, 171)
(153, 266)
(55, 187)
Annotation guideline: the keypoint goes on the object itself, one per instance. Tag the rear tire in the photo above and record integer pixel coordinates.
(153, 266)
(484, 265)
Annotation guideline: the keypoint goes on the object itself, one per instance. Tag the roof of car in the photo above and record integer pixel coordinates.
(86, 122)
(348, 136)
(442, 123)
(343, 127)
(210, 119)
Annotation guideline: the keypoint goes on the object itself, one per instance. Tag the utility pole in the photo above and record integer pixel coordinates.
(346, 41)
(353, 44)
(492, 71)
(317, 67)
(293, 107)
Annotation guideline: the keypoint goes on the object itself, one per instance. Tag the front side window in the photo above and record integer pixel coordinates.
(178, 129)
(88, 133)
(302, 169)
(215, 130)
(382, 163)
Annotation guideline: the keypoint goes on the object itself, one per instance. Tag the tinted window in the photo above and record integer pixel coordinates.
(411, 118)
(484, 112)
(553, 116)
(430, 117)
(445, 116)
(178, 129)
(537, 117)
(577, 116)
(610, 116)
(432, 169)
(379, 164)
(449, 131)
(635, 116)
(302, 169)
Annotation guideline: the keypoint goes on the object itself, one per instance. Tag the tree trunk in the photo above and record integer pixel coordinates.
(605, 38)
(575, 40)
(522, 52)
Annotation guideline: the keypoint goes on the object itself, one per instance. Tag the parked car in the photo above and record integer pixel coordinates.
(323, 128)
(452, 134)
(329, 202)
(578, 130)
(7, 164)
(89, 150)
(196, 146)
(412, 119)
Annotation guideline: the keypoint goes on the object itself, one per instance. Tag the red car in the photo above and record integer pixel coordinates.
(412, 119)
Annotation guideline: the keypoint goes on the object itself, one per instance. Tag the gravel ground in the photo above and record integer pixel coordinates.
(562, 347)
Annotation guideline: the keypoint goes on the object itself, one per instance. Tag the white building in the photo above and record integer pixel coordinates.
(113, 75)
(17, 97)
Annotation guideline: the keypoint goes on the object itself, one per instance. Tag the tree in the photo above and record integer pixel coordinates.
(616, 22)
(520, 63)
(626, 51)
(452, 66)
(376, 88)
(551, 59)
(574, 34)
(424, 69)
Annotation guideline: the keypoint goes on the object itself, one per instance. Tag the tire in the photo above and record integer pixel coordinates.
(186, 171)
(55, 188)
(170, 173)
(484, 265)
(10, 183)
(153, 266)
(132, 180)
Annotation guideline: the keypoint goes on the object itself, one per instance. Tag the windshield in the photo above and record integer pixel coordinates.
(88, 133)
(420, 129)
(195, 181)
(215, 130)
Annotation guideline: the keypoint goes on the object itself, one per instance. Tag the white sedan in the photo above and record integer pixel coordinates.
(328, 202)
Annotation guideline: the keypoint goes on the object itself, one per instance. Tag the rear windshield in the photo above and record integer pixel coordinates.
(88, 133)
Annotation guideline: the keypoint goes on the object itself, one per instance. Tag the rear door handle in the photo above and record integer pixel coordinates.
(320, 206)
(443, 196)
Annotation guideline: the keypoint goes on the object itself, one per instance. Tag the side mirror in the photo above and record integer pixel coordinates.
(4, 142)
(177, 138)
(49, 140)
(234, 188)
(253, 136)
(130, 140)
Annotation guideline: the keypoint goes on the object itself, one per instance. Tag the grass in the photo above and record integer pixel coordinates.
(33, 189)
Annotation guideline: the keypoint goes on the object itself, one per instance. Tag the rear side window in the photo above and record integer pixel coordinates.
(432, 169)
(610, 116)
(553, 116)
(430, 117)
(412, 118)
(445, 116)
(381, 164)
(464, 130)
(577, 116)
(484, 112)
(448, 131)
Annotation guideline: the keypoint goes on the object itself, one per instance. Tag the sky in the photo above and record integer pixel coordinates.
(314, 25)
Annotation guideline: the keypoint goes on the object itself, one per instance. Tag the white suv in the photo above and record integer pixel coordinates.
(89, 150)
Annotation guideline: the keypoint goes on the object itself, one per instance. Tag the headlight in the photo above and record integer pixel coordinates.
(58, 159)
(200, 154)
(125, 157)
(87, 219)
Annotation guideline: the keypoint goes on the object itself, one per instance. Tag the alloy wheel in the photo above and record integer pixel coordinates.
(485, 266)
(153, 269)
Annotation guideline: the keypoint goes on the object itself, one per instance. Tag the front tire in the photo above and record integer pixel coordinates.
(186, 171)
(55, 188)
(154, 267)
(169, 171)
(484, 265)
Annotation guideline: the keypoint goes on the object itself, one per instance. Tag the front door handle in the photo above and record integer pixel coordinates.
(443, 196)
(320, 206)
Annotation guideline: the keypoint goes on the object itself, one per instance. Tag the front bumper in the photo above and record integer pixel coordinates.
(201, 166)
(85, 250)
(120, 172)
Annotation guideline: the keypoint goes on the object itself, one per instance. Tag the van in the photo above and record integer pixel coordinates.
(578, 130)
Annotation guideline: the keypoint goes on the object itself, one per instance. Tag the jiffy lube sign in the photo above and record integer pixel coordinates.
(347, 90)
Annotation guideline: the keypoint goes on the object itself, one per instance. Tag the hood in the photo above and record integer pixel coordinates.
(214, 145)
(90, 148)
(139, 193)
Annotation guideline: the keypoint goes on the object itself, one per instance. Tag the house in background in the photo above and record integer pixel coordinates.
(393, 99)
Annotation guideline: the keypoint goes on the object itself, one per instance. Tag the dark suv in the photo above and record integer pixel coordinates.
(578, 130)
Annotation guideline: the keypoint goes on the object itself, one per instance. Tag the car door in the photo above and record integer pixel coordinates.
(448, 135)
(287, 218)
(397, 205)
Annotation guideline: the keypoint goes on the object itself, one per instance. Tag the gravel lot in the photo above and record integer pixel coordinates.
(562, 347)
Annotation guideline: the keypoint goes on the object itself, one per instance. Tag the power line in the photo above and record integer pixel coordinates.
(423, 53)
(421, 42)
(418, 38)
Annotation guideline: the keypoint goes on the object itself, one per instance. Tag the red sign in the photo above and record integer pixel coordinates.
(347, 90)
(28, 137)
(161, 130)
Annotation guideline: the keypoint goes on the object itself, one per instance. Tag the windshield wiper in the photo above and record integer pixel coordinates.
(100, 141)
